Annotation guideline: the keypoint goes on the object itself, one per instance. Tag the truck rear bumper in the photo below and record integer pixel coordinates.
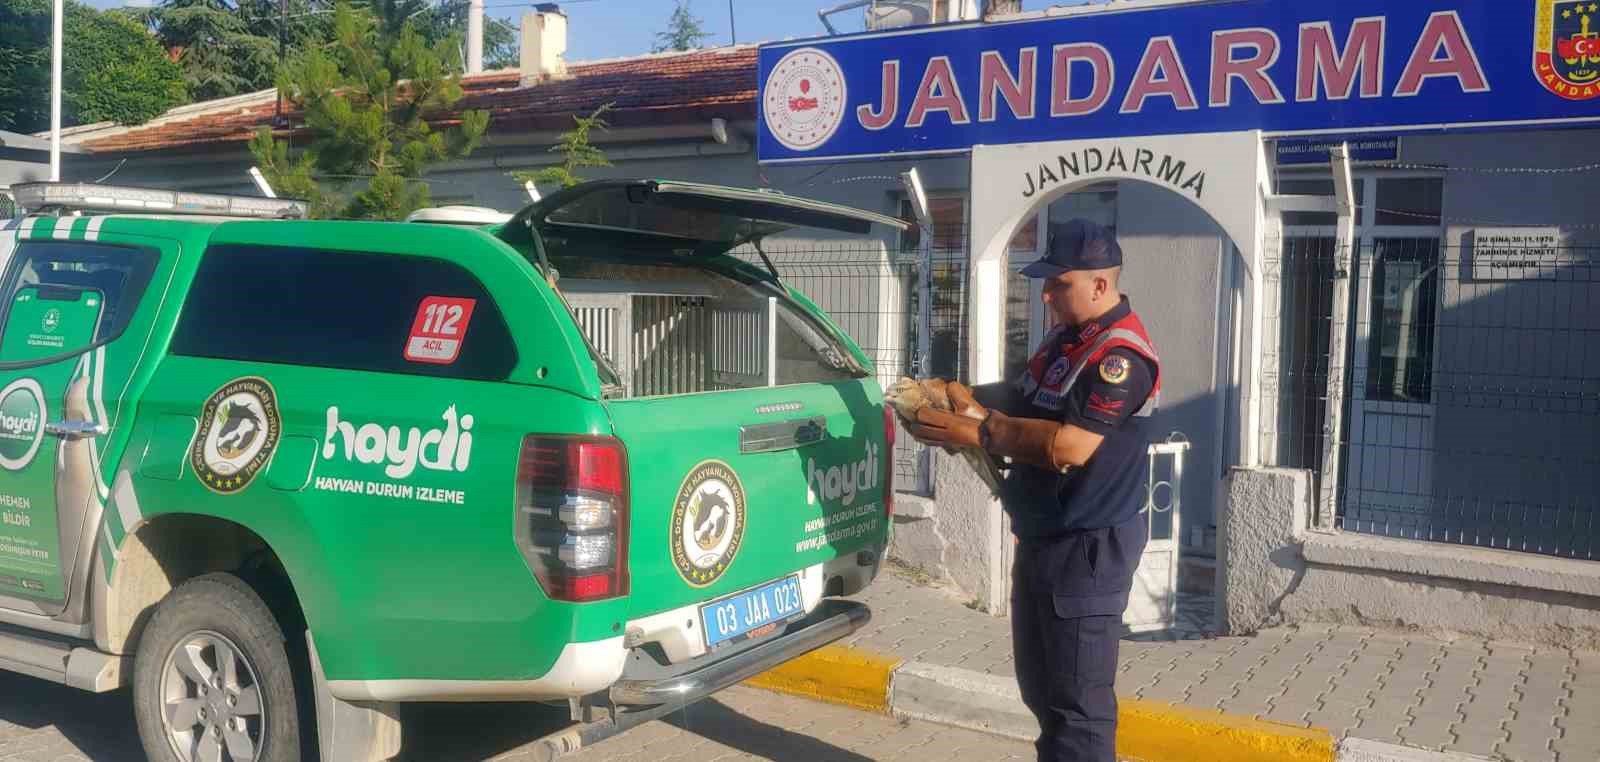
(581, 669)
(586, 668)
(831, 621)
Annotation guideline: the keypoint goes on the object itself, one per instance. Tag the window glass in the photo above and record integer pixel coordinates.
(1405, 278)
(64, 296)
(1317, 186)
(1026, 241)
(1410, 201)
(1020, 309)
(949, 224)
(1098, 206)
(343, 310)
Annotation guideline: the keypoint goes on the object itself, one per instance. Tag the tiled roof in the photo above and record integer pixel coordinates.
(645, 90)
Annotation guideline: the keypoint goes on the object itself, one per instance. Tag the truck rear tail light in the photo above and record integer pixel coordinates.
(888, 461)
(572, 515)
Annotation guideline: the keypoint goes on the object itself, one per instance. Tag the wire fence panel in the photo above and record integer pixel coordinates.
(1471, 406)
(874, 293)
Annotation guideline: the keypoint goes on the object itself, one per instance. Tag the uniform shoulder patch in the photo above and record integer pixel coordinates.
(1114, 368)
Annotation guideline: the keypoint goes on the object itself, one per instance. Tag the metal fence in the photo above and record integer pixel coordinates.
(877, 293)
(1466, 400)
(8, 206)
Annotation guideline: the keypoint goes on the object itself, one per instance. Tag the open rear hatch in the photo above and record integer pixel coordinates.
(756, 442)
(688, 219)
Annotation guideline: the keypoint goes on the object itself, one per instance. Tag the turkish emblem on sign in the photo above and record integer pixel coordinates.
(1566, 48)
(804, 100)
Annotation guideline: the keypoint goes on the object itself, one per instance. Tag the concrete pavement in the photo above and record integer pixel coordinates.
(1464, 697)
(1379, 696)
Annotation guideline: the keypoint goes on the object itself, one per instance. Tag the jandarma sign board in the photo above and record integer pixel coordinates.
(1283, 67)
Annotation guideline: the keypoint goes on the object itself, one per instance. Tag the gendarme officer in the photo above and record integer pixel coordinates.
(1070, 426)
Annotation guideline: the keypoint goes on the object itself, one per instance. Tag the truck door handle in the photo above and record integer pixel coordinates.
(75, 429)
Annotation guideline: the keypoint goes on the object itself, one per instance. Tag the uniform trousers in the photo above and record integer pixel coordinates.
(1068, 594)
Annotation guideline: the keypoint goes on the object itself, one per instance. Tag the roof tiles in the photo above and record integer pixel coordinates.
(642, 90)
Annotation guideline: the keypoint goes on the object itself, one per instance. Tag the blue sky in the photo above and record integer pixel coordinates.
(612, 28)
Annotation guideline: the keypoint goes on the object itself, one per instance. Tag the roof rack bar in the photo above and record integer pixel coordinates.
(41, 197)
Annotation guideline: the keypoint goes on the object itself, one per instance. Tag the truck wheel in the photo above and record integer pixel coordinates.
(212, 680)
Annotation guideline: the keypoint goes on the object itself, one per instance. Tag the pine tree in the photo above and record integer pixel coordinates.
(576, 150)
(365, 100)
(684, 31)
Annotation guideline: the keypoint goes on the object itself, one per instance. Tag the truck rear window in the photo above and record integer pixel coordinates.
(338, 309)
(64, 271)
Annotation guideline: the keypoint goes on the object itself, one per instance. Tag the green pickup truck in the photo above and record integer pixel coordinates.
(279, 475)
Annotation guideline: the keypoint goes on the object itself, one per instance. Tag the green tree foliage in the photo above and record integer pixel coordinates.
(684, 30)
(365, 97)
(112, 68)
(449, 17)
(228, 48)
(576, 152)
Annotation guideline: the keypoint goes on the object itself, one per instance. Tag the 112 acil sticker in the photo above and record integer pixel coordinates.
(439, 329)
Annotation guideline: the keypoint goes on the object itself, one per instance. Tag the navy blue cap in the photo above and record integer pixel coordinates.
(1076, 244)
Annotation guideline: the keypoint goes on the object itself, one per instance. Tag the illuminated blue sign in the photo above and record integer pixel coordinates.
(1287, 68)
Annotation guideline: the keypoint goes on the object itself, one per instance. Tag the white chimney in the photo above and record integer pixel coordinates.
(475, 36)
(544, 43)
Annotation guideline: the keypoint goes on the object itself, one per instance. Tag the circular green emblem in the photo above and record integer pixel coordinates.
(22, 414)
(239, 430)
(708, 518)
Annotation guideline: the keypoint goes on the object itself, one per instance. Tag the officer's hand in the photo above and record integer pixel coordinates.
(938, 427)
(964, 402)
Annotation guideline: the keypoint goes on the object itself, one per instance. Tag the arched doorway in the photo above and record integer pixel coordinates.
(1188, 211)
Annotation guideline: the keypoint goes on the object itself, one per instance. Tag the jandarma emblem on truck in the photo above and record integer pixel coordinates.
(22, 414)
(707, 523)
(239, 430)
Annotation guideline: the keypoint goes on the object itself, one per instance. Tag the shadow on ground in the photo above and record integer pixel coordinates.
(472, 732)
(714, 721)
(100, 727)
(55, 721)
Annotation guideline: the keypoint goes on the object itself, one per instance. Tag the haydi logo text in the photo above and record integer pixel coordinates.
(443, 449)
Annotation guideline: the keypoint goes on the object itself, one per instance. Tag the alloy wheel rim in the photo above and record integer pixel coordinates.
(211, 703)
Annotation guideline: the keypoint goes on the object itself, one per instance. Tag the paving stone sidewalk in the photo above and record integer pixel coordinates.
(1492, 699)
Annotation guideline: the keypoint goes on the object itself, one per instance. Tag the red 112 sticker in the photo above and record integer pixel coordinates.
(440, 326)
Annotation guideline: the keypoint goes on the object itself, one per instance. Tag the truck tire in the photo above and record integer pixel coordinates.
(212, 679)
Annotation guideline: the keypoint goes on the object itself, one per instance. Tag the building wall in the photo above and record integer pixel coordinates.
(19, 167)
(1517, 420)
(1173, 256)
(1272, 571)
(1504, 456)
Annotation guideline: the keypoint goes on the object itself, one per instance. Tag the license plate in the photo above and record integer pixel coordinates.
(737, 615)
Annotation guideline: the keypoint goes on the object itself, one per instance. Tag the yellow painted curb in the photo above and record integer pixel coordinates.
(1147, 731)
(1158, 732)
(837, 675)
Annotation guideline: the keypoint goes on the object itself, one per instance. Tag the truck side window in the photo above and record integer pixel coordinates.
(51, 282)
(334, 309)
